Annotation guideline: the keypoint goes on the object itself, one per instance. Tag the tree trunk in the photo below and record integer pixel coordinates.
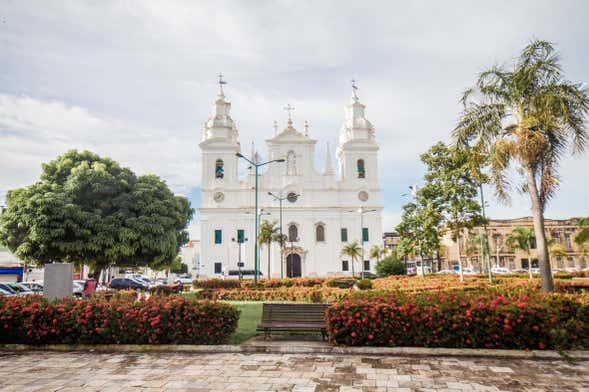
(459, 257)
(530, 263)
(268, 277)
(538, 217)
(353, 272)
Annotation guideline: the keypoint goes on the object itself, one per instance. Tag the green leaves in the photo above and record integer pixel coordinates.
(87, 209)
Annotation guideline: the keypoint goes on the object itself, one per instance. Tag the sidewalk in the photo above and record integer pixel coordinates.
(189, 371)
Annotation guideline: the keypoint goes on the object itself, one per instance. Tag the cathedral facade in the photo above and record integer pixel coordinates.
(322, 210)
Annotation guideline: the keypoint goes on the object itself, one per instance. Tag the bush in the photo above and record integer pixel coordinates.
(342, 283)
(290, 294)
(217, 284)
(461, 319)
(364, 284)
(120, 320)
(167, 289)
(390, 266)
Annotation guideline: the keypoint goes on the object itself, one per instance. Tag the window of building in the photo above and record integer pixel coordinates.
(344, 235)
(320, 233)
(533, 243)
(366, 265)
(218, 268)
(345, 265)
(567, 240)
(218, 236)
(361, 168)
(365, 234)
(293, 233)
(219, 168)
(291, 164)
(240, 236)
(571, 262)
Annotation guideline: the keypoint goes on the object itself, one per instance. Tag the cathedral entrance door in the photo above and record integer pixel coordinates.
(293, 265)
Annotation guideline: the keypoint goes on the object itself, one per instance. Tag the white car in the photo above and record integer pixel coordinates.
(184, 279)
(500, 271)
(446, 272)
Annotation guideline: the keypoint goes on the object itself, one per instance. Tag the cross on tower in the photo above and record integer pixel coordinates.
(289, 109)
(354, 84)
(221, 81)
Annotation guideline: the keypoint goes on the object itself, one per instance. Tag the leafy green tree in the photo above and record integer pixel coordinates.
(529, 115)
(419, 226)
(450, 180)
(354, 251)
(89, 210)
(522, 238)
(268, 232)
(391, 266)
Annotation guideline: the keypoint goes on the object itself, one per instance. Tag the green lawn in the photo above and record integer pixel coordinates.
(251, 314)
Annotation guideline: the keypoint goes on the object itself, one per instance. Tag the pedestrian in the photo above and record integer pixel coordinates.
(90, 285)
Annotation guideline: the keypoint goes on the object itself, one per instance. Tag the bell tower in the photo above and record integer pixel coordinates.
(357, 149)
(219, 146)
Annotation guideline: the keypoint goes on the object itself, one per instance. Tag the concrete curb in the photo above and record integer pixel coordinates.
(296, 348)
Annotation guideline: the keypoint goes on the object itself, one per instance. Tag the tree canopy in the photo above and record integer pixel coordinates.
(89, 210)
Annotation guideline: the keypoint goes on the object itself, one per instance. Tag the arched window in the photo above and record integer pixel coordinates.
(291, 164)
(293, 233)
(219, 171)
(361, 168)
(320, 233)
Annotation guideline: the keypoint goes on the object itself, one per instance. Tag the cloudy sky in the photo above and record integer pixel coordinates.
(135, 80)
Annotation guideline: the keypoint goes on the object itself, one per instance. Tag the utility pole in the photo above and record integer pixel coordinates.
(257, 217)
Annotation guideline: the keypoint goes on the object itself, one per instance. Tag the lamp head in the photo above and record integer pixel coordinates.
(281, 160)
(237, 154)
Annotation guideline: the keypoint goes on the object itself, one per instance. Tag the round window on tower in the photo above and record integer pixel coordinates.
(363, 195)
(292, 197)
(219, 197)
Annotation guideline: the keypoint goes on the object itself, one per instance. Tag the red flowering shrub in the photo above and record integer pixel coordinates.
(216, 284)
(474, 319)
(119, 320)
(167, 289)
(294, 294)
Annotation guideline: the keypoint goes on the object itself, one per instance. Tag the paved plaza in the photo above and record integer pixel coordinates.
(88, 371)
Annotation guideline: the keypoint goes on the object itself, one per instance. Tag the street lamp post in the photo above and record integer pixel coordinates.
(239, 262)
(257, 218)
(280, 200)
(362, 211)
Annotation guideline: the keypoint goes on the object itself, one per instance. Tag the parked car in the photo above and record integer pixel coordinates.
(140, 278)
(6, 293)
(184, 279)
(35, 287)
(500, 270)
(20, 289)
(78, 288)
(469, 271)
(446, 272)
(6, 287)
(127, 283)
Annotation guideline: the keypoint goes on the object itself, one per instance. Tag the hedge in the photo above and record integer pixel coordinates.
(291, 294)
(169, 319)
(461, 319)
(272, 283)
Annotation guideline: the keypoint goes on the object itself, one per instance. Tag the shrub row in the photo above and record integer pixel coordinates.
(461, 319)
(273, 283)
(121, 319)
(293, 294)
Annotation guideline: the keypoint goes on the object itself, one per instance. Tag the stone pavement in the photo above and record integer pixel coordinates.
(167, 371)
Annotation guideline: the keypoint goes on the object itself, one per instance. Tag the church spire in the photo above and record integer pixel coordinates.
(220, 125)
(328, 165)
(356, 126)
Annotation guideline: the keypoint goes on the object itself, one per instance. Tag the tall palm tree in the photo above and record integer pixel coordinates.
(522, 238)
(582, 236)
(354, 251)
(529, 115)
(555, 249)
(268, 233)
(376, 252)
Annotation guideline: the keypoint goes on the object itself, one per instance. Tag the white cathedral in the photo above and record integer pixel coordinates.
(322, 210)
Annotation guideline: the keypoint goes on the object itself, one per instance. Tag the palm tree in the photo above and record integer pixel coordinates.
(521, 238)
(530, 115)
(556, 249)
(354, 251)
(376, 252)
(582, 236)
(268, 232)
